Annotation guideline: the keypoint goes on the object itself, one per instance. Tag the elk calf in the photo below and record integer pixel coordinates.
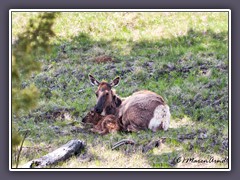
(102, 124)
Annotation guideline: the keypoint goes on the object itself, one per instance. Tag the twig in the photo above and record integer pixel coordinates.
(19, 152)
(122, 142)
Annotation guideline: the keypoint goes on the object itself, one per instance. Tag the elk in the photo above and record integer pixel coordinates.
(142, 110)
(101, 124)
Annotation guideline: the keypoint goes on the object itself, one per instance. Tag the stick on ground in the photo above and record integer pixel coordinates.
(73, 147)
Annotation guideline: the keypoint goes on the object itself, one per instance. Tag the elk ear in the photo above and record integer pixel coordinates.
(93, 81)
(115, 82)
(117, 101)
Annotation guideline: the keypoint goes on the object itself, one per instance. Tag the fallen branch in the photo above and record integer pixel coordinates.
(73, 147)
(122, 142)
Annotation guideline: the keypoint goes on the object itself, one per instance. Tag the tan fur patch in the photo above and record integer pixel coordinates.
(161, 117)
(103, 113)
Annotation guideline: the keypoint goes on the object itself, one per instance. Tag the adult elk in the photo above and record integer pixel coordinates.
(141, 110)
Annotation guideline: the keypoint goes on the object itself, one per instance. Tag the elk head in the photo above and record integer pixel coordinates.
(107, 101)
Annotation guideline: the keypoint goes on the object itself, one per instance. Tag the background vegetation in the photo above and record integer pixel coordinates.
(183, 56)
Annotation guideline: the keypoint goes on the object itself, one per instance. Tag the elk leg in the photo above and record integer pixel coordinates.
(100, 128)
(94, 130)
(102, 132)
(97, 128)
(132, 128)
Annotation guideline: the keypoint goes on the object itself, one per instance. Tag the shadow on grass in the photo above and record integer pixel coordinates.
(192, 62)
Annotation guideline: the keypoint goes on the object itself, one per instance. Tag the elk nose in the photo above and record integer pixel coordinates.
(98, 110)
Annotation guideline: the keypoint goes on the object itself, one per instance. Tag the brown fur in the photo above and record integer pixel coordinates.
(135, 112)
(111, 100)
(92, 118)
(102, 124)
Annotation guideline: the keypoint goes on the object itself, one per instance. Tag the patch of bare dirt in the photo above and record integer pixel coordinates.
(55, 114)
(103, 59)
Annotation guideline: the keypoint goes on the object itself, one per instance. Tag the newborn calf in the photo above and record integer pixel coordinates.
(92, 118)
(102, 124)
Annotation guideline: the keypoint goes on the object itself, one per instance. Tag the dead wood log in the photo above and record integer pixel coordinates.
(73, 147)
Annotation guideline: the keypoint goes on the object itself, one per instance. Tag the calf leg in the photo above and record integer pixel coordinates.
(102, 132)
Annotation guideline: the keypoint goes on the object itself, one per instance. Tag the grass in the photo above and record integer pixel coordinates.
(183, 56)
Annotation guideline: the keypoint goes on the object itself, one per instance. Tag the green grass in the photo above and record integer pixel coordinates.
(183, 56)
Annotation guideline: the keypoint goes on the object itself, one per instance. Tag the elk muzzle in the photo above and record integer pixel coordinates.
(100, 104)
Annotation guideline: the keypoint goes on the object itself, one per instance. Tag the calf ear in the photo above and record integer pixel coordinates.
(115, 82)
(93, 81)
(117, 101)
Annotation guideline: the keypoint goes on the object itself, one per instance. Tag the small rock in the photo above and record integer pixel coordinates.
(202, 136)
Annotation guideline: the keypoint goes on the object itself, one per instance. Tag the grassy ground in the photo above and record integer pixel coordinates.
(183, 56)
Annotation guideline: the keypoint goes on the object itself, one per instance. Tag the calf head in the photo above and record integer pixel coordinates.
(92, 117)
